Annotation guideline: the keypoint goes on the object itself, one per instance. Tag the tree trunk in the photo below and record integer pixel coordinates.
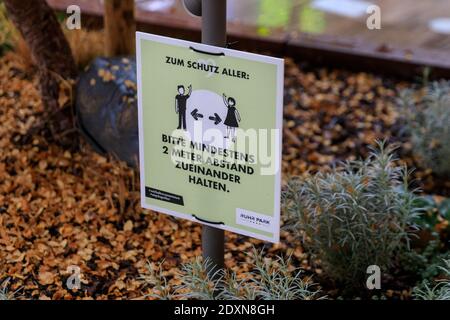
(120, 27)
(50, 52)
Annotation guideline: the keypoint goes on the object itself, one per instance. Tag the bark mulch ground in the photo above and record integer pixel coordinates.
(61, 208)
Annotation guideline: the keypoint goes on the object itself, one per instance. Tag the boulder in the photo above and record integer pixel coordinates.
(106, 107)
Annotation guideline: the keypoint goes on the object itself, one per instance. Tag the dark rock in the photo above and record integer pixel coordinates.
(106, 106)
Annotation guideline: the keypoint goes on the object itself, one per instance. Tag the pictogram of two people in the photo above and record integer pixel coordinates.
(231, 121)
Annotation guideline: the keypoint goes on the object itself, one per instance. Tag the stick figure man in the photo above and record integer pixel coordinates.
(180, 105)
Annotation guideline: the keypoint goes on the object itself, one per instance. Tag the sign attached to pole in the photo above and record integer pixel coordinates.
(210, 127)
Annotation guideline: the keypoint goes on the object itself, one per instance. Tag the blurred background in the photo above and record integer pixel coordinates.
(408, 23)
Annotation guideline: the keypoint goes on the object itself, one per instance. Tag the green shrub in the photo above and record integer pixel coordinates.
(437, 210)
(358, 215)
(269, 280)
(428, 122)
(422, 263)
(440, 290)
(6, 31)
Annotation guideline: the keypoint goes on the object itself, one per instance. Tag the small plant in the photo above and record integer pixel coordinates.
(355, 216)
(5, 294)
(155, 277)
(440, 291)
(269, 280)
(195, 283)
(428, 122)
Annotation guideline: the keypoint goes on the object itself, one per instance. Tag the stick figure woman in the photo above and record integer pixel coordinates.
(233, 117)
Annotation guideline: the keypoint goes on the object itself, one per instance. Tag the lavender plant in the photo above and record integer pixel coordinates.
(269, 280)
(158, 282)
(358, 215)
(428, 122)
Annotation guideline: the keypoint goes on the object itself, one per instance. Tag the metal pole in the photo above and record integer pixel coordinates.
(214, 32)
(214, 22)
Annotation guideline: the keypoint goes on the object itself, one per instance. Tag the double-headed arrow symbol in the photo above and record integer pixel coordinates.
(196, 115)
(216, 119)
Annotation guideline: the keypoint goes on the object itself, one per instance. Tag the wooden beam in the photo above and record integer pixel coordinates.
(120, 27)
